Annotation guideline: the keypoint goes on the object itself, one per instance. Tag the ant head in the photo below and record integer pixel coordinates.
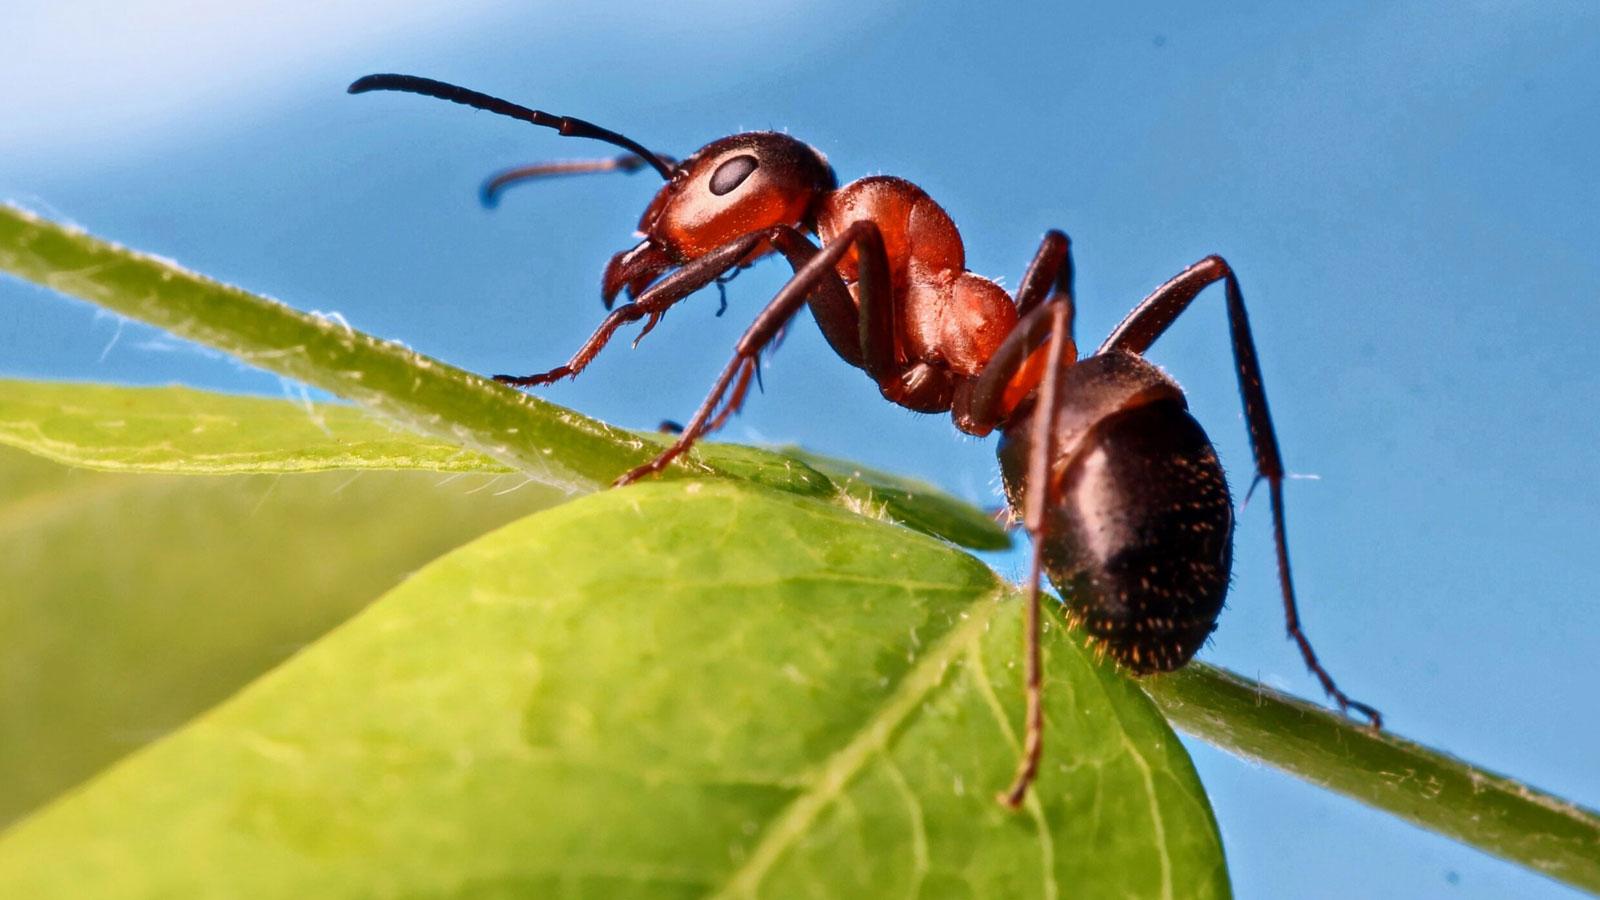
(728, 188)
(731, 187)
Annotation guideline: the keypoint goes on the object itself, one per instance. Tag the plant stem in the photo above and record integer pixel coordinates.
(549, 443)
(1435, 790)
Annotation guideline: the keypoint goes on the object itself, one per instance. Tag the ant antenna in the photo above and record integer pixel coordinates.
(568, 126)
(626, 163)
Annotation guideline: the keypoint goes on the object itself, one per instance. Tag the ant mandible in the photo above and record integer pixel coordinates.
(1117, 484)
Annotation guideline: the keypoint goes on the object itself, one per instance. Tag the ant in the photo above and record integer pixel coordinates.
(1117, 484)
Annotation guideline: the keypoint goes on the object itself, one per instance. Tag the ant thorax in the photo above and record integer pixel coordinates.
(948, 317)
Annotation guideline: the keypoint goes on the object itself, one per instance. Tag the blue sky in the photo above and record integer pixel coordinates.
(1408, 194)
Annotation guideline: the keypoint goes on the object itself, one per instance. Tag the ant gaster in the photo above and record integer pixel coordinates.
(1117, 484)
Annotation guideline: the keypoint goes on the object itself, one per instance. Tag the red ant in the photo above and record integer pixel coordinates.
(1117, 484)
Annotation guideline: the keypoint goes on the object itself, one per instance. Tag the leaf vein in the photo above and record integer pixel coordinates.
(1150, 792)
(1035, 809)
(919, 830)
(872, 739)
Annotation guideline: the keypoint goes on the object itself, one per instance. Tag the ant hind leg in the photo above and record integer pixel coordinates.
(1141, 328)
(1036, 503)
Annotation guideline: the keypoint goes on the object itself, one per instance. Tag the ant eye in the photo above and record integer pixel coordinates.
(731, 174)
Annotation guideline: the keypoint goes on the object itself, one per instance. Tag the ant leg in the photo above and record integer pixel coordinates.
(767, 326)
(916, 385)
(875, 326)
(1017, 366)
(1051, 266)
(615, 319)
(653, 303)
(831, 303)
(740, 388)
(1141, 328)
(1033, 518)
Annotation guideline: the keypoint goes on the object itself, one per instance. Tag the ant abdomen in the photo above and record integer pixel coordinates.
(1140, 533)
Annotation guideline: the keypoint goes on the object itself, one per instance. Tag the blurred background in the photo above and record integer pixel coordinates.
(1409, 196)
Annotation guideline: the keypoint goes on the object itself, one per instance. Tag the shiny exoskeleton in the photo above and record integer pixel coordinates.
(1141, 524)
(1117, 484)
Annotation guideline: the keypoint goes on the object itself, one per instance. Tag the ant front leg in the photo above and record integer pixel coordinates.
(816, 277)
(654, 303)
(831, 303)
(1141, 328)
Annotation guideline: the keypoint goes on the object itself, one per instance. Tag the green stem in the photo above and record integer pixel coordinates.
(1383, 770)
(551, 444)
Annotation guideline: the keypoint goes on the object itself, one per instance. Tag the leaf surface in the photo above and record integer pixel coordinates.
(180, 430)
(185, 431)
(131, 603)
(916, 503)
(679, 689)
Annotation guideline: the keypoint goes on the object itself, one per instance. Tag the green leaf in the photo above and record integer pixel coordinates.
(131, 603)
(678, 689)
(915, 503)
(179, 430)
(175, 429)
